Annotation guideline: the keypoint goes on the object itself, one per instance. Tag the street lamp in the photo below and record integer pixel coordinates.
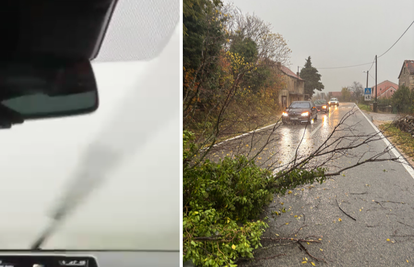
(367, 72)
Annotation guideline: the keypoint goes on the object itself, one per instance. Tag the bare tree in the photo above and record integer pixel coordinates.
(357, 89)
(271, 45)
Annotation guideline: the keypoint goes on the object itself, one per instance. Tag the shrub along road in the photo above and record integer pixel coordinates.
(363, 217)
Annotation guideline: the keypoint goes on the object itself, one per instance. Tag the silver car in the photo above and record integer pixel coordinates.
(333, 102)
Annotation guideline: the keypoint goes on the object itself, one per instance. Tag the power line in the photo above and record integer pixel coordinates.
(372, 63)
(343, 67)
(397, 40)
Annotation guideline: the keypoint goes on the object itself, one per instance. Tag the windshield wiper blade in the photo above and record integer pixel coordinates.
(48, 231)
(90, 175)
(57, 217)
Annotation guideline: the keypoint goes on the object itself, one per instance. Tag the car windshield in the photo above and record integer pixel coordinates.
(321, 101)
(300, 105)
(134, 203)
(333, 99)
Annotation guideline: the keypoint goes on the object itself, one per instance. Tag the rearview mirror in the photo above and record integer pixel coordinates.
(45, 88)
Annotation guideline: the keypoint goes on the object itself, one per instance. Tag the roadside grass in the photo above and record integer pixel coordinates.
(402, 140)
(364, 107)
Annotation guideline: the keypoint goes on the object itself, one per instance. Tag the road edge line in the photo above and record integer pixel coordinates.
(257, 130)
(394, 150)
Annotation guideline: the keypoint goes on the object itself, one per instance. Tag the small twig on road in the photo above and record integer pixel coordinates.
(295, 233)
(284, 224)
(310, 255)
(405, 224)
(273, 246)
(358, 193)
(380, 204)
(344, 211)
(393, 202)
(291, 239)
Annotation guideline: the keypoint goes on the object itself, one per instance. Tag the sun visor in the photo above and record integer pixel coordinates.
(139, 30)
(64, 28)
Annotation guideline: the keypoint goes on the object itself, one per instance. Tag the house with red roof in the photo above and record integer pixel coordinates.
(385, 89)
(406, 77)
(293, 86)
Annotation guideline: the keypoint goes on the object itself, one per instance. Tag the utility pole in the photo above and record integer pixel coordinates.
(376, 86)
(367, 79)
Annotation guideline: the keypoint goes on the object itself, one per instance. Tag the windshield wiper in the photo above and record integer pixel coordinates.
(90, 175)
(57, 218)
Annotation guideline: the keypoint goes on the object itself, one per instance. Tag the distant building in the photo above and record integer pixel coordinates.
(334, 94)
(406, 77)
(385, 89)
(294, 86)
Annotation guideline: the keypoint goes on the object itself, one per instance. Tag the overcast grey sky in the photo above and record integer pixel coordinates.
(341, 33)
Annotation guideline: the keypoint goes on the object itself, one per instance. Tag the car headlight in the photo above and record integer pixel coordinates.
(304, 114)
(284, 114)
(329, 102)
(323, 106)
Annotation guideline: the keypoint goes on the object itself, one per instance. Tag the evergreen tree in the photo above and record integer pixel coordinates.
(312, 78)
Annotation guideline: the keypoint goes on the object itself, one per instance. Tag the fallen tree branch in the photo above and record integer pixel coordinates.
(344, 211)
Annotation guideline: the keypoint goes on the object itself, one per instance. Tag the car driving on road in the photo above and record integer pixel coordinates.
(300, 111)
(333, 102)
(322, 105)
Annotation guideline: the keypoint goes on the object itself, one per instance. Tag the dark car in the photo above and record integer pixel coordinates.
(322, 105)
(300, 111)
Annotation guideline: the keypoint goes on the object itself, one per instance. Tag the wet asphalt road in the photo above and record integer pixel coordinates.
(379, 196)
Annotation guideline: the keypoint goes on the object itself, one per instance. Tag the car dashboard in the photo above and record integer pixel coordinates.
(90, 258)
